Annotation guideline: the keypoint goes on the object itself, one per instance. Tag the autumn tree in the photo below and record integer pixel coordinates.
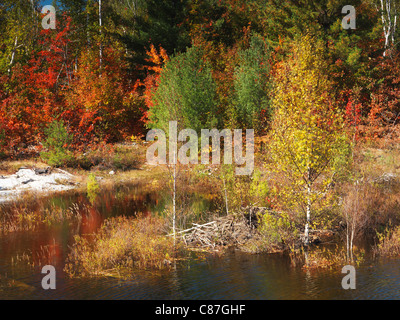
(101, 103)
(33, 97)
(186, 93)
(156, 60)
(306, 129)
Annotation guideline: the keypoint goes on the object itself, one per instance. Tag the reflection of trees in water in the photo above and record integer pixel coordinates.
(91, 221)
(133, 200)
(127, 202)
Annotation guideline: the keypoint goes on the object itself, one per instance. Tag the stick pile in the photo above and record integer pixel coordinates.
(223, 231)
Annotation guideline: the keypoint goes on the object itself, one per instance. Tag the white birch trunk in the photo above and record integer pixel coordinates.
(308, 217)
(174, 200)
(226, 197)
(347, 240)
(388, 10)
(87, 28)
(101, 46)
(12, 55)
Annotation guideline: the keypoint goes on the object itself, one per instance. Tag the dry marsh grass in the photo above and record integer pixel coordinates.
(389, 243)
(373, 161)
(332, 257)
(123, 244)
(373, 205)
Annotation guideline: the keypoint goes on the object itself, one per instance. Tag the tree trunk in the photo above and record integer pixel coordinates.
(308, 217)
(174, 201)
(351, 244)
(101, 46)
(386, 43)
(226, 197)
(388, 11)
(12, 56)
(87, 28)
(347, 239)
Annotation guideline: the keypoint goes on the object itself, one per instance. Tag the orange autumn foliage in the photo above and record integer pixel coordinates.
(156, 60)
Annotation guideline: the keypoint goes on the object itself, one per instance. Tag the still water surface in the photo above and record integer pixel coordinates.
(234, 276)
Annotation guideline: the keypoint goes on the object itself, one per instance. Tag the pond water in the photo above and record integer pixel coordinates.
(233, 276)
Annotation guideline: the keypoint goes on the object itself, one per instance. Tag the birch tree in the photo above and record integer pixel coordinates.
(18, 31)
(305, 128)
(389, 14)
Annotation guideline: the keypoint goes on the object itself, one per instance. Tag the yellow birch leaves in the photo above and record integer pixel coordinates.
(307, 124)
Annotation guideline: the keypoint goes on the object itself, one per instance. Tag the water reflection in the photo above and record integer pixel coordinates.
(235, 276)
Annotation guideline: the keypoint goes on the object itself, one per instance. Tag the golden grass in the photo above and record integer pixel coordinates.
(123, 244)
